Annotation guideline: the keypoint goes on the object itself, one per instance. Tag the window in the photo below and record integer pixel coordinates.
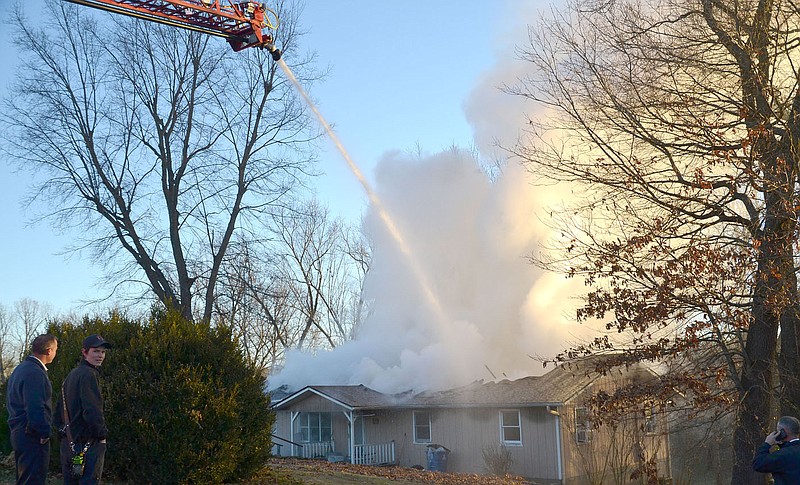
(422, 427)
(650, 424)
(315, 427)
(583, 428)
(510, 428)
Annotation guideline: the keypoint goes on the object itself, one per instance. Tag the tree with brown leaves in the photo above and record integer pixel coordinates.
(679, 123)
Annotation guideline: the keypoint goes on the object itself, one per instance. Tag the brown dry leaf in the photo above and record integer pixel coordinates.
(399, 473)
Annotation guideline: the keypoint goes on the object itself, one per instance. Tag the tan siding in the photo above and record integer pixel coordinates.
(466, 433)
(317, 404)
(341, 432)
(281, 429)
(610, 451)
(397, 425)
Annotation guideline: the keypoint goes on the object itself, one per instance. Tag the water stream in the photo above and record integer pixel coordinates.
(417, 271)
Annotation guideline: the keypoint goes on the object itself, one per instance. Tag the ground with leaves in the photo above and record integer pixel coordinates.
(291, 471)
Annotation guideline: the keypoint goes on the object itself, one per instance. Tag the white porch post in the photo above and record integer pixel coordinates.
(558, 447)
(294, 415)
(352, 421)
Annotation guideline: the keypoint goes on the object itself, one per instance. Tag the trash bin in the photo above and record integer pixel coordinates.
(437, 458)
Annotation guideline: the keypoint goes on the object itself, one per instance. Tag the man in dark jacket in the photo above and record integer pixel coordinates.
(30, 410)
(783, 463)
(84, 415)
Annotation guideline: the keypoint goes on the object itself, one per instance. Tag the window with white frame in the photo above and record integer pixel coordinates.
(422, 427)
(315, 427)
(583, 427)
(510, 427)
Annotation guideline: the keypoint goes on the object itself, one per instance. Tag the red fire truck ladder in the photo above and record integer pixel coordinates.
(242, 24)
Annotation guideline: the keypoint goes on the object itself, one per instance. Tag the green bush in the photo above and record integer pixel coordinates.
(5, 431)
(181, 403)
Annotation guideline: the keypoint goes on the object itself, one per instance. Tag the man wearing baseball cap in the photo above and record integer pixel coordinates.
(79, 416)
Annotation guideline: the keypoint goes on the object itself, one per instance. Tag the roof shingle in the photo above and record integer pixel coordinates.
(557, 386)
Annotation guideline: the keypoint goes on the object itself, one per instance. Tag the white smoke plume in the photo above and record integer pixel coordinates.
(470, 236)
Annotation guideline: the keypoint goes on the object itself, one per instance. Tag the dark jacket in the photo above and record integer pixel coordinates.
(784, 463)
(29, 399)
(84, 404)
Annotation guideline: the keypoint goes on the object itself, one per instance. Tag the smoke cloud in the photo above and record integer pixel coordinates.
(470, 235)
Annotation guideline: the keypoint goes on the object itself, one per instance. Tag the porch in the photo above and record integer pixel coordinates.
(333, 436)
(376, 454)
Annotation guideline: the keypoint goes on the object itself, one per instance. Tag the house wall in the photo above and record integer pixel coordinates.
(608, 458)
(467, 432)
(316, 404)
(339, 423)
(281, 429)
(612, 453)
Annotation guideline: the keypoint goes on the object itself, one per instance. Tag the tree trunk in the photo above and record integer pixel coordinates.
(755, 404)
(775, 285)
(789, 361)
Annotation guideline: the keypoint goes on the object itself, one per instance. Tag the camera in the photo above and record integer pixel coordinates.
(77, 466)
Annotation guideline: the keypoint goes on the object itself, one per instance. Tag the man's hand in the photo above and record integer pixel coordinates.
(770, 439)
(43, 440)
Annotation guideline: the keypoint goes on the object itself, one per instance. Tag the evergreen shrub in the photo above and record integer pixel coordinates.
(181, 403)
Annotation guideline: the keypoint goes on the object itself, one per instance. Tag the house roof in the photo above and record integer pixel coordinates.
(554, 388)
(351, 397)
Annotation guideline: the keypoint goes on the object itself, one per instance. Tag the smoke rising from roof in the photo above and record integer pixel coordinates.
(469, 235)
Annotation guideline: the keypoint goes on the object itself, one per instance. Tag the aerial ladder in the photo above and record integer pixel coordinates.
(242, 24)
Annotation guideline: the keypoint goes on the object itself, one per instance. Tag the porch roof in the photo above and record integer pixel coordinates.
(349, 397)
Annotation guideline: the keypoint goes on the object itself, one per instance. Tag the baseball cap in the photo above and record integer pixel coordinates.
(94, 340)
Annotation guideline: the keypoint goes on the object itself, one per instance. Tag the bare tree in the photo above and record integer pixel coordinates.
(31, 320)
(160, 145)
(359, 249)
(7, 353)
(306, 295)
(257, 305)
(678, 122)
(319, 274)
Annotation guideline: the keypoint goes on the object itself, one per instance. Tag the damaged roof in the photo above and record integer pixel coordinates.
(556, 387)
(351, 397)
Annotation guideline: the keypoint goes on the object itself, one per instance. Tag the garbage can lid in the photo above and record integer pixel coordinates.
(435, 447)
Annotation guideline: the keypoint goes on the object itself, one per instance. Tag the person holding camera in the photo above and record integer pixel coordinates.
(79, 417)
(784, 462)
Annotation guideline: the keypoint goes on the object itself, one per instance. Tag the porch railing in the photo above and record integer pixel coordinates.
(316, 450)
(378, 454)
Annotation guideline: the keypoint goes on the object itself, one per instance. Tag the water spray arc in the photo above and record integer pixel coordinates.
(387, 220)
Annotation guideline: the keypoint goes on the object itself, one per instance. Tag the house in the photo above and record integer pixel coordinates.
(536, 427)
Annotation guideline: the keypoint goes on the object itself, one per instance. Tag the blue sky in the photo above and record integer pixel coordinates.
(403, 74)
